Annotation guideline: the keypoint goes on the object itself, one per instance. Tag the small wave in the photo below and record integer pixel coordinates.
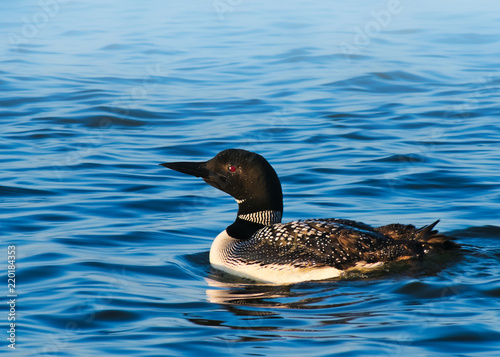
(382, 82)
(488, 231)
(401, 158)
(22, 191)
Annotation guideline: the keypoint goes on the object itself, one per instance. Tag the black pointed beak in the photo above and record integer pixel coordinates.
(197, 169)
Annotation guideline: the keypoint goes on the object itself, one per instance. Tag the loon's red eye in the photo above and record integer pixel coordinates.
(232, 168)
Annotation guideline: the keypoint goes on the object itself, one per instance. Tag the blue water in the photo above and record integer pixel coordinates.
(378, 111)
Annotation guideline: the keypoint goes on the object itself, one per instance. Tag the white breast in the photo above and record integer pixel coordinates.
(222, 243)
(271, 273)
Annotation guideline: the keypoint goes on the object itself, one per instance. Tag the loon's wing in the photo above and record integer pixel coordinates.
(326, 242)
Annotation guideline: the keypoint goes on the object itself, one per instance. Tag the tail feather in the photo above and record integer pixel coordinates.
(430, 238)
(427, 232)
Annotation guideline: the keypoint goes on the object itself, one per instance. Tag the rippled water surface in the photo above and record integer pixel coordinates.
(376, 111)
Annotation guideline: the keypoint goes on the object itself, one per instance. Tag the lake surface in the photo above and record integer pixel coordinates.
(377, 111)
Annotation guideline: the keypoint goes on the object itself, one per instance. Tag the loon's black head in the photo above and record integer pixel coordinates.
(245, 175)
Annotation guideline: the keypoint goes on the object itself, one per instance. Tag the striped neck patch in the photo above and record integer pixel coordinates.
(266, 218)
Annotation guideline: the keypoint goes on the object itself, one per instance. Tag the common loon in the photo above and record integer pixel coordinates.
(259, 247)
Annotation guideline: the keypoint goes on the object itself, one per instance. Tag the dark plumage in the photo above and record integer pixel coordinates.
(339, 243)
